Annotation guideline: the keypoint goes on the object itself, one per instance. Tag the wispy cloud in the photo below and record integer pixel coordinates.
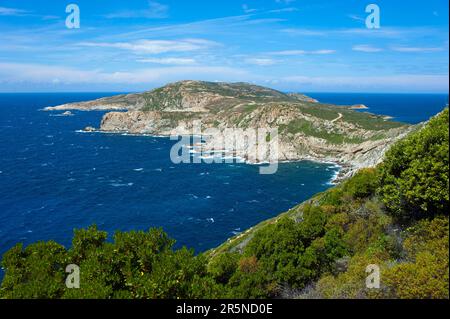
(385, 32)
(12, 12)
(416, 49)
(247, 9)
(388, 83)
(366, 48)
(285, 1)
(301, 52)
(356, 17)
(304, 32)
(260, 61)
(284, 10)
(49, 74)
(169, 61)
(155, 46)
(155, 10)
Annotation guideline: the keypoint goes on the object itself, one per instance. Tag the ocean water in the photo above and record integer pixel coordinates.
(408, 108)
(54, 179)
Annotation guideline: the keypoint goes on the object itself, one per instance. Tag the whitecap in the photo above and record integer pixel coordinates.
(138, 169)
(121, 185)
(211, 220)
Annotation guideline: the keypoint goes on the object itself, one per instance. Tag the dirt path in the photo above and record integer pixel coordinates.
(338, 118)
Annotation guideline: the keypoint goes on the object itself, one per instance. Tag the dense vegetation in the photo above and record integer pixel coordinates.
(394, 216)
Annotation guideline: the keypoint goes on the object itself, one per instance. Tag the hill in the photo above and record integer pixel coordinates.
(307, 129)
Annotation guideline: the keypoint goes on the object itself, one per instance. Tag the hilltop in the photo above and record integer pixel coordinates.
(307, 129)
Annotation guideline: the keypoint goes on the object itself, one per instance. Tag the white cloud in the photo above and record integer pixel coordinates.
(394, 83)
(283, 10)
(356, 17)
(247, 9)
(155, 10)
(304, 32)
(366, 48)
(260, 61)
(39, 74)
(155, 46)
(302, 52)
(416, 49)
(284, 1)
(169, 61)
(385, 32)
(12, 12)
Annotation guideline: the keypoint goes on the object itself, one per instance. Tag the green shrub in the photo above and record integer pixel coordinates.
(362, 185)
(414, 176)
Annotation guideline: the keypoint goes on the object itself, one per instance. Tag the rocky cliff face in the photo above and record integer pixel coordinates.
(307, 129)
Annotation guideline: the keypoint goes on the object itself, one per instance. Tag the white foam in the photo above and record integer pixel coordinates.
(121, 185)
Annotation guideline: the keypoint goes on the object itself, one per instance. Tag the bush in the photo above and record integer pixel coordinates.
(414, 176)
(362, 185)
(425, 274)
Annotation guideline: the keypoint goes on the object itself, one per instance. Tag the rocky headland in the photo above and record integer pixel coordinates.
(308, 130)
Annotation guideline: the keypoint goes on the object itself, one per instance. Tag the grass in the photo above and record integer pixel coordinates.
(306, 127)
(364, 120)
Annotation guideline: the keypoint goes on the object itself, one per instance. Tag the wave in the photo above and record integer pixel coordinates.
(122, 185)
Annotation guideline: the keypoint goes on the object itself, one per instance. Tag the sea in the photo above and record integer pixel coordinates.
(55, 178)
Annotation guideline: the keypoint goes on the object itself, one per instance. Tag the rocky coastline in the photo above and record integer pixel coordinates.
(308, 130)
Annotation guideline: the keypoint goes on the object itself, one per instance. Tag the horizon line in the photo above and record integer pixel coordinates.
(301, 92)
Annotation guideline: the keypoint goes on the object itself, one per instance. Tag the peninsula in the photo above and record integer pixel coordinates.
(308, 129)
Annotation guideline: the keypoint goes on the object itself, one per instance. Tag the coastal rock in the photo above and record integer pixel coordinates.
(359, 107)
(89, 129)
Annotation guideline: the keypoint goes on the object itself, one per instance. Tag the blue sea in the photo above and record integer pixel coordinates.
(54, 179)
(408, 108)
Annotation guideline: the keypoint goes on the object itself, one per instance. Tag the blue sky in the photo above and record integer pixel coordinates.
(291, 45)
